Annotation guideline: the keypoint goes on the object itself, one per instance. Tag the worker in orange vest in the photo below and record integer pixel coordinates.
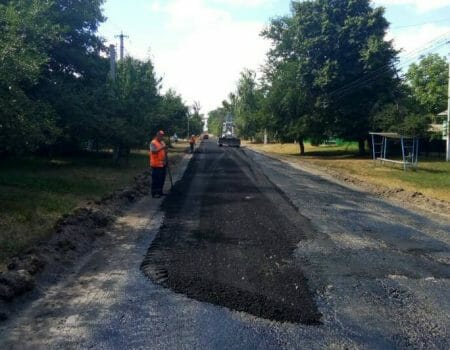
(158, 163)
(192, 143)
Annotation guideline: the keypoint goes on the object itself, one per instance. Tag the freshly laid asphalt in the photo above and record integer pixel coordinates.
(228, 238)
(239, 231)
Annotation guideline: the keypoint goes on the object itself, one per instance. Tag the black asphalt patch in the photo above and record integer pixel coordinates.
(228, 239)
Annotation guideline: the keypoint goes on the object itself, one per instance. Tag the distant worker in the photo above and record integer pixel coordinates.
(192, 143)
(158, 163)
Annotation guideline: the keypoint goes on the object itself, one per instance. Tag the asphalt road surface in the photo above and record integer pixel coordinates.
(251, 253)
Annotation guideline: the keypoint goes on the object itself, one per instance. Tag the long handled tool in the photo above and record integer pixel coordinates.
(169, 171)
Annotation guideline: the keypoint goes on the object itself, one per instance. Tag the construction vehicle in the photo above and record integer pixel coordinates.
(229, 137)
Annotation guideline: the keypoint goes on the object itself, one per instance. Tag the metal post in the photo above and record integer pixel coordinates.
(403, 153)
(448, 117)
(373, 148)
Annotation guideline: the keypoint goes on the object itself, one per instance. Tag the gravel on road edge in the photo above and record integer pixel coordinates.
(413, 200)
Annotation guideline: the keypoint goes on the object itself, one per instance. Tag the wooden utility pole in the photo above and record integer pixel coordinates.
(448, 116)
(112, 60)
(122, 38)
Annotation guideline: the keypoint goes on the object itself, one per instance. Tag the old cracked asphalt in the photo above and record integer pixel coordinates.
(379, 274)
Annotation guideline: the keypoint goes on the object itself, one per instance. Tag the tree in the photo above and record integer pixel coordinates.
(327, 46)
(196, 119)
(216, 118)
(174, 113)
(26, 121)
(75, 71)
(134, 101)
(428, 80)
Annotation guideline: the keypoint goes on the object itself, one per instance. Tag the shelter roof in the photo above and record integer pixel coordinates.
(391, 135)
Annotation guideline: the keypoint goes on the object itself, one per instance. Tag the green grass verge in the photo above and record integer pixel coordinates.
(35, 192)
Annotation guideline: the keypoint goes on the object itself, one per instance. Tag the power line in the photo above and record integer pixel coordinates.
(360, 82)
(370, 77)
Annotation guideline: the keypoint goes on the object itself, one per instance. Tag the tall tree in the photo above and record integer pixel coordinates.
(75, 70)
(248, 108)
(428, 80)
(216, 118)
(25, 120)
(196, 119)
(174, 113)
(328, 45)
(134, 101)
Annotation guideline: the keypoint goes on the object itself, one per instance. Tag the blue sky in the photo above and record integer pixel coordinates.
(200, 46)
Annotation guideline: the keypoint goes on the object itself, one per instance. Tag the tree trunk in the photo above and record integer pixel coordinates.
(362, 147)
(302, 146)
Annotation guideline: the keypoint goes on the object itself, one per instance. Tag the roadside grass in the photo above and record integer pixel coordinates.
(36, 191)
(432, 177)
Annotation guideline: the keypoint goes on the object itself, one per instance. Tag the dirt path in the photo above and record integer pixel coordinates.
(379, 275)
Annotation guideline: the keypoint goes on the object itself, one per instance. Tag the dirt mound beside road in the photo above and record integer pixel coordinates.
(74, 235)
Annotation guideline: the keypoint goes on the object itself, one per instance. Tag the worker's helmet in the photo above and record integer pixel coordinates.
(160, 133)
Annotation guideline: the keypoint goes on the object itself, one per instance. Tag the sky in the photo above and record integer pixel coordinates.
(199, 47)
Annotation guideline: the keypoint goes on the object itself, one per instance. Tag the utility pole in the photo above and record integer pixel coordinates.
(188, 134)
(122, 38)
(112, 60)
(448, 116)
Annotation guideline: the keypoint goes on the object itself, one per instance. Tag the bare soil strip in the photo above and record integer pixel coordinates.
(228, 239)
(75, 235)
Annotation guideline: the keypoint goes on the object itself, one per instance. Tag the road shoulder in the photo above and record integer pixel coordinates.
(414, 201)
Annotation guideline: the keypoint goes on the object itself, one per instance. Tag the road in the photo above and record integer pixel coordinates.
(251, 253)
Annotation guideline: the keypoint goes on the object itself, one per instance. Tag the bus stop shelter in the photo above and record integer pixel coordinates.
(382, 143)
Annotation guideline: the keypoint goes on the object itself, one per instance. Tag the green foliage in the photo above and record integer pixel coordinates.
(248, 107)
(308, 90)
(76, 72)
(428, 80)
(401, 119)
(56, 95)
(134, 102)
(26, 121)
(216, 118)
(173, 114)
(319, 49)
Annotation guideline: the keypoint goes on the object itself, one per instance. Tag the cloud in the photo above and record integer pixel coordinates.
(420, 5)
(247, 3)
(211, 50)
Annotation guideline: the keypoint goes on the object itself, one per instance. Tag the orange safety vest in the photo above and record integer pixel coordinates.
(158, 159)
